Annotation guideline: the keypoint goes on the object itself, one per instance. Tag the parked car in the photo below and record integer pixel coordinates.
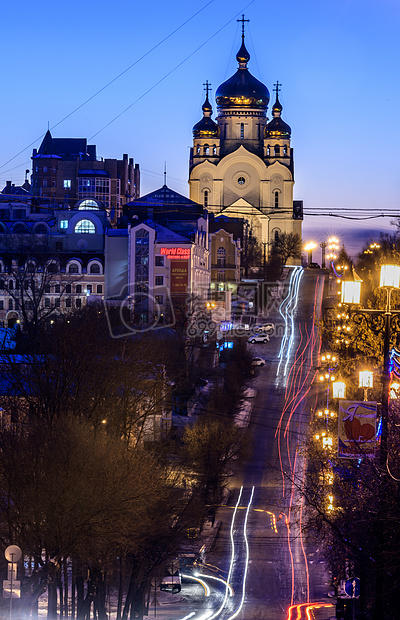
(264, 338)
(314, 266)
(258, 361)
(267, 328)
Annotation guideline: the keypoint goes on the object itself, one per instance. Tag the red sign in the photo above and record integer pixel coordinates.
(357, 428)
(176, 253)
(179, 277)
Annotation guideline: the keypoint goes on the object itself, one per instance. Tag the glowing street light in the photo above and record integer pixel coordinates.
(339, 389)
(309, 247)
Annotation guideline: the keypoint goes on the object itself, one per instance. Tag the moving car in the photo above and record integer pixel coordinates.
(264, 338)
(267, 328)
(258, 361)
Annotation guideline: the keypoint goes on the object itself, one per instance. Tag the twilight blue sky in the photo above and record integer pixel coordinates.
(338, 64)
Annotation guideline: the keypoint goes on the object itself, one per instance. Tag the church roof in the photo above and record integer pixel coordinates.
(242, 89)
(165, 204)
(206, 127)
(277, 128)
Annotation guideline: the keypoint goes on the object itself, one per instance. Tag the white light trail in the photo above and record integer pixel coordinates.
(205, 586)
(226, 584)
(289, 304)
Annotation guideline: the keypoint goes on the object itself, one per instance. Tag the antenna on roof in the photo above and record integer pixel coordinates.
(165, 173)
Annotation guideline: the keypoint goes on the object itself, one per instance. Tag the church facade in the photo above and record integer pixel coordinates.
(241, 165)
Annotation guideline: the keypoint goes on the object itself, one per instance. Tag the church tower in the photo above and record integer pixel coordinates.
(242, 165)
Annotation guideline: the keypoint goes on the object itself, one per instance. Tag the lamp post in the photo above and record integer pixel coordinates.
(309, 247)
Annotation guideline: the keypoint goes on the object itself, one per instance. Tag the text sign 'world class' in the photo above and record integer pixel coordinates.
(176, 253)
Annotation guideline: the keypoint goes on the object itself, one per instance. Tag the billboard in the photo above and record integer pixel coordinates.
(356, 428)
(179, 277)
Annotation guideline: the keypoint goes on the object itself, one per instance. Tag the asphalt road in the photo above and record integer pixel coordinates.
(282, 569)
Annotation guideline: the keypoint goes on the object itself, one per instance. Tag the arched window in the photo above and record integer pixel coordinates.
(41, 229)
(205, 198)
(214, 150)
(19, 228)
(198, 149)
(285, 149)
(88, 205)
(277, 150)
(242, 131)
(44, 168)
(206, 149)
(268, 150)
(73, 268)
(44, 182)
(85, 226)
(221, 257)
(276, 197)
(95, 268)
(276, 239)
(53, 267)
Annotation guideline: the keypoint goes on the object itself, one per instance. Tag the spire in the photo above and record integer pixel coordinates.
(277, 108)
(243, 55)
(206, 107)
(47, 147)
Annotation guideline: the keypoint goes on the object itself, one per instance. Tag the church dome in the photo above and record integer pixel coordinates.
(242, 90)
(277, 128)
(206, 127)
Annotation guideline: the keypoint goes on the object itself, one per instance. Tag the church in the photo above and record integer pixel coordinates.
(241, 165)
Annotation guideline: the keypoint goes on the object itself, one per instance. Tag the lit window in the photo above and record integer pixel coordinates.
(64, 224)
(159, 261)
(88, 205)
(67, 183)
(85, 226)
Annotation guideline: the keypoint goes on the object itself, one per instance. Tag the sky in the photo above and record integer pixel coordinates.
(129, 77)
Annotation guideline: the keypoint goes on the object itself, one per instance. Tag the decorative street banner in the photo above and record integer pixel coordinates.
(356, 428)
(179, 277)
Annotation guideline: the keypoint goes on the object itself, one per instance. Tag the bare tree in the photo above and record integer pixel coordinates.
(288, 245)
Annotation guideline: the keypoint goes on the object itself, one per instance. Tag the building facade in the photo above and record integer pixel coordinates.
(242, 164)
(67, 169)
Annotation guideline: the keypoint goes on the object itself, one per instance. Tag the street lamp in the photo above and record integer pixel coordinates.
(339, 389)
(351, 292)
(309, 247)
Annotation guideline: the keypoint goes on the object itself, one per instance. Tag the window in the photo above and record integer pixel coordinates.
(19, 228)
(89, 289)
(206, 149)
(53, 183)
(47, 288)
(1, 284)
(73, 269)
(19, 214)
(57, 289)
(95, 268)
(16, 304)
(88, 205)
(57, 302)
(47, 302)
(276, 196)
(99, 289)
(78, 303)
(241, 180)
(41, 229)
(221, 276)
(268, 150)
(277, 150)
(214, 150)
(159, 299)
(67, 184)
(1, 304)
(44, 182)
(242, 131)
(17, 285)
(198, 150)
(85, 226)
(205, 198)
(68, 303)
(44, 168)
(10, 285)
(53, 268)
(63, 224)
(276, 236)
(221, 257)
(68, 288)
(159, 261)
(159, 280)
(10, 304)
(285, 149)
(78, 288)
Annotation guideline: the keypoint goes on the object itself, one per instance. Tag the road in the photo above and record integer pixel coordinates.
(282, 570)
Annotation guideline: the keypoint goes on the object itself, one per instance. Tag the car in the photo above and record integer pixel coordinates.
(264, 338)
(266, 328)
(258, 361)
(314, 266)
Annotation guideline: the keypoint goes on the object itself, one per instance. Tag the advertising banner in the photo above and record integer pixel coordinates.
(356, 428)
(179, 277)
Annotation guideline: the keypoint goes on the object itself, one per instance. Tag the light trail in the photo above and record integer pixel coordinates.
(247, 560)
(226, 584)
(205, 586)
(287, 311)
